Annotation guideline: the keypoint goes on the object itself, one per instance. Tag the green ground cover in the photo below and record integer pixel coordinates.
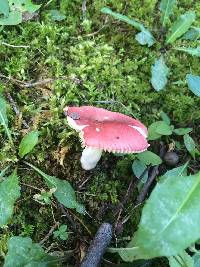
(91, 59)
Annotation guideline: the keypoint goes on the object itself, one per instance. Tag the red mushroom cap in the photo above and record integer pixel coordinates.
(110, 131)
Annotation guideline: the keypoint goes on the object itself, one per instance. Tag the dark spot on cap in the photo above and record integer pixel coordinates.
(74, 116)
(117, 137)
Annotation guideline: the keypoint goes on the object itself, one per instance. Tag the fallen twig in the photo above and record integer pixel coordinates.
(50, 80)
(31, 186)
(15, 46)
(14, 81)
(24, 84)
(84, 8)
(16, 109)
(74, 224)
(141, 197)
(49, 234)
(131, 186)
(81, 222)
(98, 246)
(155, 171)
(95, 33)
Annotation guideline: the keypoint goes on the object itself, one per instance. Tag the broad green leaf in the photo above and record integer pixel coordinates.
(182, 131)
(170, 217)
(181, 260)
(165, 117)
(192, 51)
(152, 133)
(3, 172)
(163, 128)
(144, 37)
(23, 252)
(175, 172)
(29, 141)
(128, 254)
(123, 18)
(157, 129)
(4, 7)
(193, 83)
(148, 157)
(138, 168)
(14, 18)
(29, 6)
(159, 73)
(166, 7)
(193, 34)
(56, 15)
(4, 119)
(196, 259)
(181, 26)
(64, 193)
(23, 6)
(9, 193)
(190, 145)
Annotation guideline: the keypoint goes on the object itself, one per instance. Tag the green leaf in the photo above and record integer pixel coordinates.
(165, 117)
(29, 141)
(170, 217)
(152, 133)
(9, 193)
(192, 51)
(159, 73)
(56, 15)
(175, 172)
(193, 34)
(144, 37)
(61, 232)
(148, 157)
(163, 128)
(190, 145)
(4, 119)
(166, 6)
(186, 259)
(193, 83)
(14, 18)
(138, 168)
(196, 259)
(123, 18)
(23, 6)
(181, 260)
(29, 6)
(182, 131)
(157, 129)
(3, 172)
(4, 7)
(181, 26)
(23, 252)
(64, 193)
(129, 253)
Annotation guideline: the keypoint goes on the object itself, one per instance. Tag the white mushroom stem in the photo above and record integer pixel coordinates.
(90, 157)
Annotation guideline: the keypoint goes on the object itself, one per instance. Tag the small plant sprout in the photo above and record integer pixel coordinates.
(45, 196)
(61, 232)
(102, 130)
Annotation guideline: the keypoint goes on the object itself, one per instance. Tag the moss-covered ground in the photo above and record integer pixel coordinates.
(92, 60)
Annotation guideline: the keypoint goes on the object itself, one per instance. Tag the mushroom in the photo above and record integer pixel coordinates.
(102, 130)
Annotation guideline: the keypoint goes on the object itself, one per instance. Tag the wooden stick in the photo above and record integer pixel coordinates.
(99, 245)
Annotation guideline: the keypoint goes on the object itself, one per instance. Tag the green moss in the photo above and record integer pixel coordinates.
(104, 189)
(100, 60)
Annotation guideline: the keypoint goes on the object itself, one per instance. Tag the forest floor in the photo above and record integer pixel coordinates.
(88, 58)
